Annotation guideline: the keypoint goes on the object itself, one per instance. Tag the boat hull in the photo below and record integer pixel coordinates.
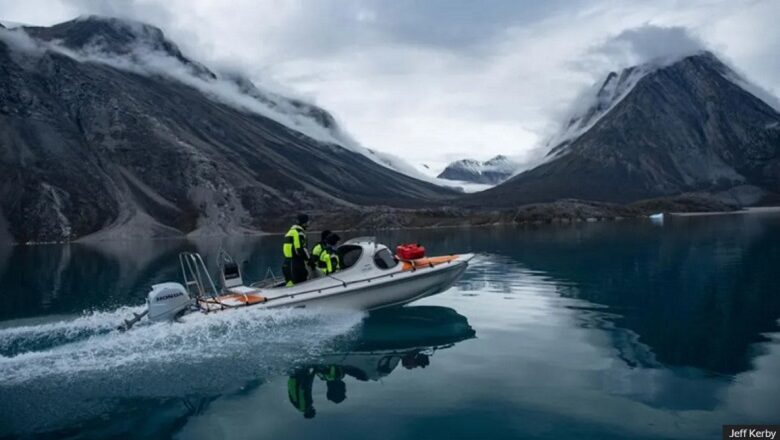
(378, 295)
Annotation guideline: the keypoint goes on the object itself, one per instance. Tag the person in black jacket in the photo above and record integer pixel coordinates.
(295, 252)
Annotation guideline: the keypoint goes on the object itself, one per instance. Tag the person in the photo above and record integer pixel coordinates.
(329, 259)
(415, 359)
(296, 255)
(336, 391)
(299, 386)
(333, 375)
(301, 382)
(317, 249)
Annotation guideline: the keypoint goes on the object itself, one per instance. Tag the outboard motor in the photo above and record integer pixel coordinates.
(166, 301)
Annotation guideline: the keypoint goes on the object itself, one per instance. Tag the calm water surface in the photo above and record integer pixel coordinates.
(617, 330)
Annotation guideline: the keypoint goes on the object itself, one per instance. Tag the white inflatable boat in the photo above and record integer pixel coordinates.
(371, 278)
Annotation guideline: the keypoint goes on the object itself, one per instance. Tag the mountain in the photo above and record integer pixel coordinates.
(491, 172)
(651, 131)
(107, 129)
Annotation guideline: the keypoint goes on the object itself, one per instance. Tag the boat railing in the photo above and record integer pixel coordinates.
(269, 281)
(197, 279)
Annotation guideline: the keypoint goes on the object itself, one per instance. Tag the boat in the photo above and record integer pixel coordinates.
(371, 277)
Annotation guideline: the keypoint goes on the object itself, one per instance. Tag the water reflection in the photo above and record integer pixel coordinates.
(583, 329)
(407, 336)
(68, 279)
(698, 292)
(163, 390)
(699, 296)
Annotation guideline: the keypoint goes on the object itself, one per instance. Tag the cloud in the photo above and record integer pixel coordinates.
(438, 80)
(18, 40)
(651, 44)
(646, 47)
(144, 59)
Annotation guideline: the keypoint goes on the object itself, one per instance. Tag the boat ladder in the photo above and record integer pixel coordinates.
(197, 280)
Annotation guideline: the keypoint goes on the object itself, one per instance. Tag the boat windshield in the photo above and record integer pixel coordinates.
(349, 254)
(384, 259)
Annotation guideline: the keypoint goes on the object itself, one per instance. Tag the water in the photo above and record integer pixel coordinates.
(614, 330)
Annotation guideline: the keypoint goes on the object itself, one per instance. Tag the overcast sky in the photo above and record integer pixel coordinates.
(436, 80)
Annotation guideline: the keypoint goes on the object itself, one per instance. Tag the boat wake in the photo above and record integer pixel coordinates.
(57, 372)
(91, 343)
(22, 338)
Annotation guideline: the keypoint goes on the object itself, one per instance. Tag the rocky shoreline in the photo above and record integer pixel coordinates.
(564, 211)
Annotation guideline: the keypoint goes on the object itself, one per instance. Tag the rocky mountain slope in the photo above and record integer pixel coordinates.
(656, 131)
(108, 130)
(490, 172)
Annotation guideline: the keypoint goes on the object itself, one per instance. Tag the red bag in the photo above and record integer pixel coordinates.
(410, 251)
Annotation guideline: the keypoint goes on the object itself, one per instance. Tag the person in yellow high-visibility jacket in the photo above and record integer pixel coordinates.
(317, 249)
(295, 252)
(299, 386)
(329, 259)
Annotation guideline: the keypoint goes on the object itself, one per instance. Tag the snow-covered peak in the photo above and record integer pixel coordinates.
(501, 164)
(467, 165)
(590, 107)
(491, 171)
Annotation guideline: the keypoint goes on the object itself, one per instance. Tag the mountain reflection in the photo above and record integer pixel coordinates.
(697, 294)
(71, 278)
(696, 302)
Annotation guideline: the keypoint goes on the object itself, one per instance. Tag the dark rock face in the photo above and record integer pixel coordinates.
(112, 36)
(87, 148)
(688, 202)
(490, 172)
(685, 127)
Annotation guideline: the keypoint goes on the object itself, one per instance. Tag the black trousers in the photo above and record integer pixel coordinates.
(294, 269)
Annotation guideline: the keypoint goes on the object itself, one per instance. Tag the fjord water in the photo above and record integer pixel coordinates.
(595, 330)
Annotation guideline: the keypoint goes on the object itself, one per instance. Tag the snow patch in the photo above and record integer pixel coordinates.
(463, 186)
